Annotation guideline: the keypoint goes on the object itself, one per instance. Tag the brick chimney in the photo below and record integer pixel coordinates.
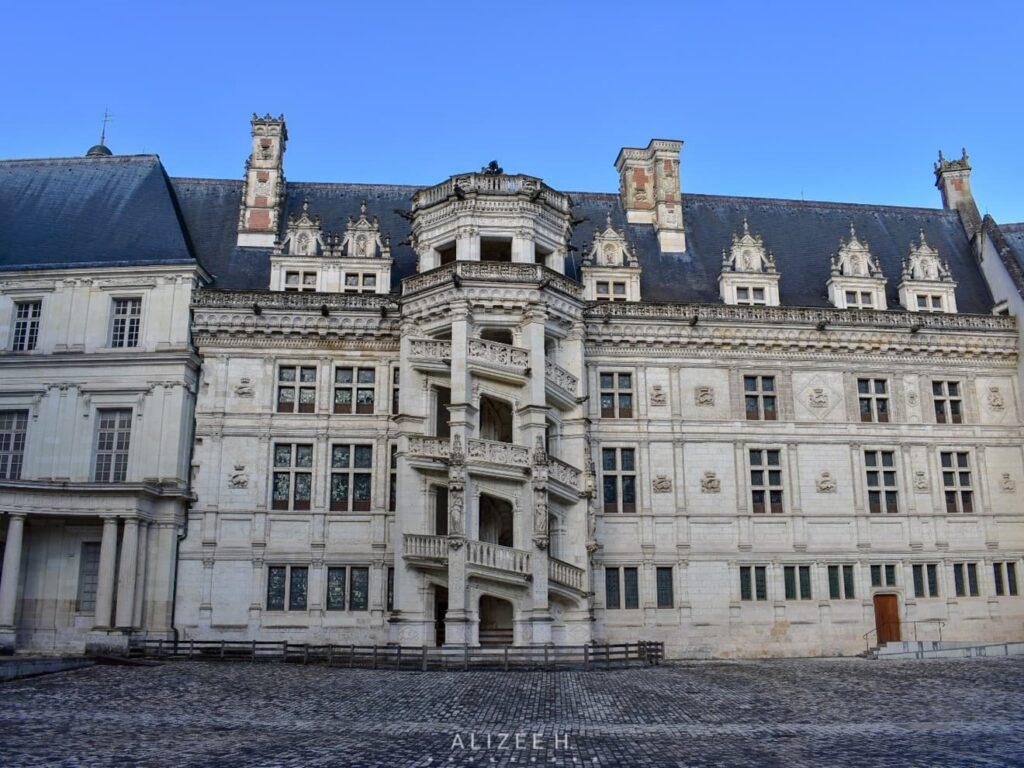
(953, 179)
(650, 190)
(263, 193)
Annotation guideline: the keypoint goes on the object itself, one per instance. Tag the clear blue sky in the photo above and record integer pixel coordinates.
(829, 101)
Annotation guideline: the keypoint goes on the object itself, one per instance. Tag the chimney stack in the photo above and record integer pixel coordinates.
(263, 193)
(650, 190)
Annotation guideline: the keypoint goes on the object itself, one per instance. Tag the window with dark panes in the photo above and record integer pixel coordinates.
(759, 398)
(880, 470)
(956, 481)
(297, 586)
(1005, 577)
(124, 330)
(840, 582)
(351, 477)
(948, 402)
(624, 593)
(395, 390)
(13, 429)
(612, 598)
(393, 479)
(630, 588)
(766, 481)
(296, 389)
(88, 576)
(616, 395)
(965, 579)
(664, 583)
(753, 582)
(797, 579)
(277, 586)
(390, 601)
(873, 397)
(348, 588)
(926, 580)
(287, 585)
(354, 390)
(883, 575)
(618, 475)
(293, 477)
(113, 439)
(26, 325)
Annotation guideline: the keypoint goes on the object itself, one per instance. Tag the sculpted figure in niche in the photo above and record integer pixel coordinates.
(455, 516)
(540, 517)
(710, 483)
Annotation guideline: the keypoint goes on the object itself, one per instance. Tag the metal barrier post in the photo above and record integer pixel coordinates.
(424, 658)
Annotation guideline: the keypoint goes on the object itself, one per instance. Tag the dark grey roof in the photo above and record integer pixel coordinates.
(1014, 234)
(1008, 240)
(89, 211)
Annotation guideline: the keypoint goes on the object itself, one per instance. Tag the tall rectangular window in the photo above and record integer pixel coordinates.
(1005, 577)
(873, 396)
(350, 485)
(296, 389)
(616, 395)
(26, 325)
(948, 403)
(753, 582)
(389, 603)
(612, 598)
(88, 576)
(665, 597)
(797, 579)
(287, 585)
(13, 429)
(624, 593)
(926, 580)
(395, 389)
(883, 575)
(113, 438)
(293, 476)
(956, 481)
(965, 579)
(354, 390)
(840, 582)
(393, 479)
(348, 588)
(766, 480)
(618, 473)
(880, 469)
(124, 331)
(759, 398)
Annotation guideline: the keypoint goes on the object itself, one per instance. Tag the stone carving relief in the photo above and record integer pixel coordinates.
(244, 387)
(1007, 484)
(825, 482)
(659, 397)
(704, 395)
(818, 398)
(710, 483)
(238, 477)
(995, 399)
(911, 397)
(610, 249)
(920, 481)
(923, 263)
(747, 254)
(854, 258)
(303, 237)
(662, 484)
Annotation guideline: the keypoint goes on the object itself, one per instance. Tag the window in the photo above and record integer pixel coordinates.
(1005, 577)
(394, 391)
(287, 585)
(927, 302)
(354, 386)
(357, 581)
(759, 398)
(961, 586)
(300, 281)
(88, 576)
(948, 405)
(350, 488)
(751, 296)
(618, 467)
(624, 593)
(13, 428)
(880, 468)
(664, 584)
(859, 300)
(125, 329)
(616, 395)
(610, 291)
(797, 579)
(293, 485)
(26, 325)
(926, 580)
(113, 436)
(393, 479)
(360, 282)
(956, 481)
(883, 575)
(753, 582)
(874, 399)
(840, 582)
(389, 603)
(766, 481)
(296, 389)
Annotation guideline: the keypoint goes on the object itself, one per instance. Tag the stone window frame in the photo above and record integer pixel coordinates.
(952, 405)
(926, 580)
(355, 388)
(659, 572)
(25, 330)
(966, 582)
(361, 285)
(963, 495)
(293, 470)
(844, 586)
(619, 474)
(623, 595)
(929, 302)
(782, 487)
(351, 471)
(858, 298)
(1005, 579)
(884, 571)
(110, 473)
(800, 577)
(395, 380)
(13, 439)
(392, 476)
(617, 391)
(750, 297)
(347, 570)
(873, 398)
(299, 387)
(749, 582)
(302, 283)
(760, 394)
(883, 487)
(288, 599)
(125, 330)
(610, 294)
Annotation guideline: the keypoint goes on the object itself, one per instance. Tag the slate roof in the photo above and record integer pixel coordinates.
(89, 212)
(1014, 234)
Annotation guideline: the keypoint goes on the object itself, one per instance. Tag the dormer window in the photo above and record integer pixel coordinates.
(929, 303)
(605, 290)
(748, 276)
(859, 300)
(611, 270)
(856, 281)
(300, 281)
(360, 282)
(926, 284)
(750, 296)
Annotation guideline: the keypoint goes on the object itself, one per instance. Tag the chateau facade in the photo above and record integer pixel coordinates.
(491, 412)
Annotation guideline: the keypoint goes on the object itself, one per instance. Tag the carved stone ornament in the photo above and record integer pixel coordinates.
(659, 397)
(710, 483)
(912, 397)
(704, 395)
(662, 484)
(455, 512)
(1007, 484)
(920, 481)
(826, 483)
(238, 478)
(996, 402)
(818, 398)
(244, 387)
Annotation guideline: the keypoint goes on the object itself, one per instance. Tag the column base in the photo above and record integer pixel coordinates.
(412, 632)
(459, 629)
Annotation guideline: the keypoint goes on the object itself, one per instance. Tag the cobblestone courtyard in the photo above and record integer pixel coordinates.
(772, 713)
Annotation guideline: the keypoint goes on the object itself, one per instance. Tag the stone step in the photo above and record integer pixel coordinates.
(948, 650)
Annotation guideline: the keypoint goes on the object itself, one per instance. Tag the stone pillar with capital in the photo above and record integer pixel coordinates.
(105, 580)
(127, 572)
(9, 584)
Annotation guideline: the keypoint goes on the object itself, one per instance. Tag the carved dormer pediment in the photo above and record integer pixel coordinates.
(927, 284)
(610, 249)
(923, 263)
(748, 254)
(303, 237)
(611, 269)
(856, 280)
(362, 239)
(854, 258)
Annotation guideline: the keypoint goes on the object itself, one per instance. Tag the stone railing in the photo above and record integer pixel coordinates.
(431, 349)
(497, 354)
(497, 557)
(561, 572)
(560, 377)
(564, 473)
(430, 447)
(495, 452)
(426, 547)
(802, 315)
(492, 271)
(491, 184)
(293, 300)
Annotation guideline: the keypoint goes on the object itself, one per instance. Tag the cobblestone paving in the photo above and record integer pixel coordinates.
(769, 713)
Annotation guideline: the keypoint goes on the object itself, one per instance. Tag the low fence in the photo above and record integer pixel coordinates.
(421, 658)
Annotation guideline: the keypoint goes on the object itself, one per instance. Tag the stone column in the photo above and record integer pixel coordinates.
(105, 582)
(127, 573)
(9, 585)
(140, 576)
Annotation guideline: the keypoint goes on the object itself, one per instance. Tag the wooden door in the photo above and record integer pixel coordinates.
(887, 618)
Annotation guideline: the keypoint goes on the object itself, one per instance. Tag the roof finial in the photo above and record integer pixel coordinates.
(853, 232)
(305, 205)
(362, 208)
(746, 227)
(107, 117)
(608, 220)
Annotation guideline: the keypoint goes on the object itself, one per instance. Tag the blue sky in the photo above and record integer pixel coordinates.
(828, 101)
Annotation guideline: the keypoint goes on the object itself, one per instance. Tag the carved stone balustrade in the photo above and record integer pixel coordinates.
(430, 354)
(430, 447)
(492, 271)
(564, 473)
(496, 357)
(567, 574)
(491, 184)
(424, 547)
(494, 452)
(560, 377)
(497, 557)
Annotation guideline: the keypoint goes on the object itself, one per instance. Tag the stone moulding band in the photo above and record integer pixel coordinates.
(500, 271)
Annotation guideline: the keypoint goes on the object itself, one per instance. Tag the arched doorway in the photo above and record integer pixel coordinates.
(495, 521)
(495, 621)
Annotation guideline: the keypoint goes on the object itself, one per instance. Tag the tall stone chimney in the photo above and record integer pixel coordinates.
(263, 193)
(650, 190)
(953, 179)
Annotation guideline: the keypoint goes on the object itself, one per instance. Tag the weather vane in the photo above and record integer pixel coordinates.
(107, 117)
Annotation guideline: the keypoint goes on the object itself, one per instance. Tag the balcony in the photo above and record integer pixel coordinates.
(527, 275)
(426, 551)
(497, 562)
(561, 387)
(502, 362)
(566, 576)
(431, 355)
(565, 479)
(429, 453)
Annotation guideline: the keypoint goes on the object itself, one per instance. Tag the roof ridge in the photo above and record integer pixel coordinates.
(816, 203)
(82, 159)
